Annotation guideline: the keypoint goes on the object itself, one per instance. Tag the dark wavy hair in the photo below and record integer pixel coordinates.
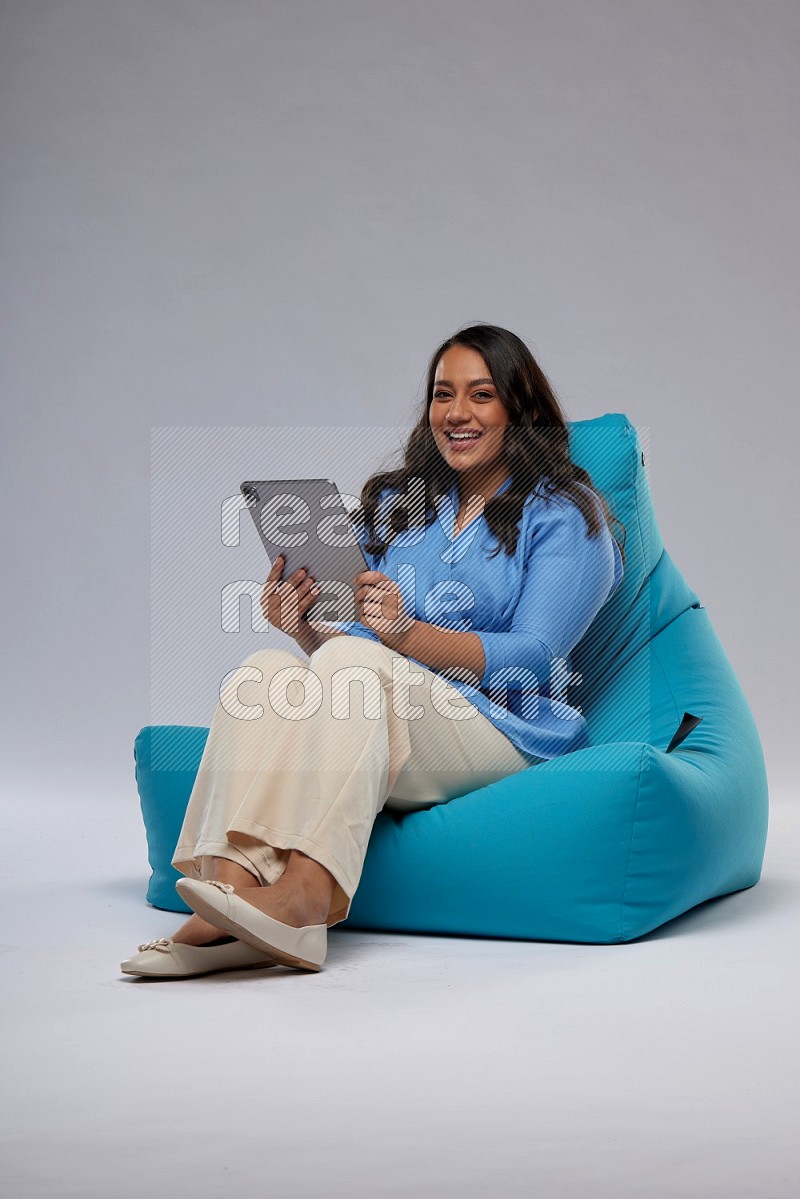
(536, 444)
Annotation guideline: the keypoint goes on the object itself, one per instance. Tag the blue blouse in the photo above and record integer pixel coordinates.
(529, 609)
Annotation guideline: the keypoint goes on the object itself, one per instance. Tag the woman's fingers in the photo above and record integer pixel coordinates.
(285, 601)
(380, 604)
(276, 568)
(366, 588)
(307, 593)
(274, 579)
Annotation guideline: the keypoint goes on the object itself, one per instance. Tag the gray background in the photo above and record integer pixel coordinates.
(249, 214)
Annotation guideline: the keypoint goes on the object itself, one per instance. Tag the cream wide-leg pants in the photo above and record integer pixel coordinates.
(304, 756)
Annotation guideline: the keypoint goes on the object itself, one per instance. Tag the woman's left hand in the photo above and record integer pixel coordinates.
(379, 605)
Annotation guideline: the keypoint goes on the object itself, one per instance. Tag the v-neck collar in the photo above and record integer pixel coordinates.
(455, 502)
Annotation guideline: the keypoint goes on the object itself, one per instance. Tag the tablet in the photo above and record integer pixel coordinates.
(307, 522)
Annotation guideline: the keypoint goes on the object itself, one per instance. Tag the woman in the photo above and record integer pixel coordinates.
(491, 554)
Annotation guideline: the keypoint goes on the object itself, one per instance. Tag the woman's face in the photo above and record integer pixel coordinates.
(465, 401)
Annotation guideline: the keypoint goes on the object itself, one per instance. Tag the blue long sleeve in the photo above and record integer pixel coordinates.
(568, 577)
(530, 609)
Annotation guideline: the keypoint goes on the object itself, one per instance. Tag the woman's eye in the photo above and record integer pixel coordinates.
(445, 395)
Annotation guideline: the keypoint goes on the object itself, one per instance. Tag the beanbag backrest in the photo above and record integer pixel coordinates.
(653, 591)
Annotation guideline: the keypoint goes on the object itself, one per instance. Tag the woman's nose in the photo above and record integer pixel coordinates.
(457, 411)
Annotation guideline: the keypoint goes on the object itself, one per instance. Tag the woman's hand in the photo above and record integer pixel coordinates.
(379, 605)
(284, 602)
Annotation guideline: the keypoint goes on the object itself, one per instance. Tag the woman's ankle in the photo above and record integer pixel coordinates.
(223, 870)
(309, 876)
(297, 902)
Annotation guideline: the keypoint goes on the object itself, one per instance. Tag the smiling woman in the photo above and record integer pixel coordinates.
(277, 826)
(468, 422)
(484, 382)
(489, 453)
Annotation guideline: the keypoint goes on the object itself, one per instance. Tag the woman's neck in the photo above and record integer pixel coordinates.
(485, 483)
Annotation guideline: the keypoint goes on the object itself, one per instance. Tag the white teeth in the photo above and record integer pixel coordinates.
(462, 436)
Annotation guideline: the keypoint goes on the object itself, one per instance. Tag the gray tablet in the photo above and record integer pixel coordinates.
(307, 522)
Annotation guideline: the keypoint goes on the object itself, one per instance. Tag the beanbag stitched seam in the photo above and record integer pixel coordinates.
(644, 750)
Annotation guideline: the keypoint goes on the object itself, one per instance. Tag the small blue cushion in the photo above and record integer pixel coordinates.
(602, 845)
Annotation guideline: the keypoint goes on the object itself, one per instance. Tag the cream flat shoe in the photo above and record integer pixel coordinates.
(165, 958)
(304, 948)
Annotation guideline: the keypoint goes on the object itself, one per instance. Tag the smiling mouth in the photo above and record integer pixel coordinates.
(458, 437)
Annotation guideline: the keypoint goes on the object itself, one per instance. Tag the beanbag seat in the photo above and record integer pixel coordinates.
(666, 808)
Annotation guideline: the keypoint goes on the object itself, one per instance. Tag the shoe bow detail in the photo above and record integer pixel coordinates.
(214, 882)
(162, 945)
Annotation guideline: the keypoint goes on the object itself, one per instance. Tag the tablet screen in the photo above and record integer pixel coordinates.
(306, 521)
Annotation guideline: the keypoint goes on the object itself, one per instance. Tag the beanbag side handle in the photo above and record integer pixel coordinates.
(683, 730)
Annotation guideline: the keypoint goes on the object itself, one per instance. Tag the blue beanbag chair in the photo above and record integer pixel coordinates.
(665, 809)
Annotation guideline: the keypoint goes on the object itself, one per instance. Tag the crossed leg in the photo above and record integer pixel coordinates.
(301, 896)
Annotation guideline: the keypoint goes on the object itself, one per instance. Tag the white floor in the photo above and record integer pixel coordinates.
(433, 1066)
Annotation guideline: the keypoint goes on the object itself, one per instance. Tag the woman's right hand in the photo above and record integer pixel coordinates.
(284, 602)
